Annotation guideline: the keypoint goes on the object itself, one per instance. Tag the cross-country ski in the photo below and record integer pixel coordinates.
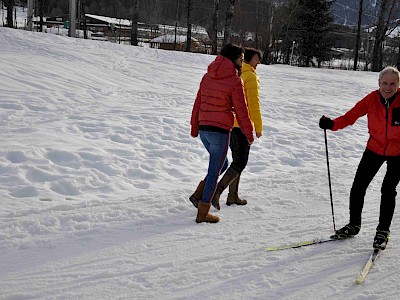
(300, 244)
(368, 265)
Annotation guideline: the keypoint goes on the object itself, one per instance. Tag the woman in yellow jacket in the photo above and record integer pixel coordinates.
(239, 145)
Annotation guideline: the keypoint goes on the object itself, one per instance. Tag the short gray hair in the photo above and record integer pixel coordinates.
(389, 70)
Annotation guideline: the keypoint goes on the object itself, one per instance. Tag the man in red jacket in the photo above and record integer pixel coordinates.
(382, 108)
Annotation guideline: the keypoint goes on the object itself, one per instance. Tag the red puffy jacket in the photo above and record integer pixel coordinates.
(383, 122)
(220, 96)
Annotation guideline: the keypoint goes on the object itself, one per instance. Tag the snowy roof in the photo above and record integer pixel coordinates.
(110, 20)
(393, 32)
(170, 39)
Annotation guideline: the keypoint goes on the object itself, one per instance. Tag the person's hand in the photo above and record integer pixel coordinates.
(250, 142)
(325, 123)
(258, 134)
(194, 132)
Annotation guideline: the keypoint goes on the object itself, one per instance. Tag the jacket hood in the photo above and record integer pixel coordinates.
(221, 67)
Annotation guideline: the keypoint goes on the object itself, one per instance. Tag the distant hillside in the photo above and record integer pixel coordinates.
(346, 11)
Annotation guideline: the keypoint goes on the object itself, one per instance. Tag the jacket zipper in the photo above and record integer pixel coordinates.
(387, 104)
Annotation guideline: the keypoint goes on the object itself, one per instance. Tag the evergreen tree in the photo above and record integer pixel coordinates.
(315, 18)
(307, 26)
(288, 32)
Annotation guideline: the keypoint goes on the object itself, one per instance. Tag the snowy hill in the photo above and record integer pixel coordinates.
(97, 164)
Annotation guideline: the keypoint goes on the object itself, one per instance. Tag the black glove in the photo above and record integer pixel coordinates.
(325, 123)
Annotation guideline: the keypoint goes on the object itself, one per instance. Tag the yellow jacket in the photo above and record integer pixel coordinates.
(252, 93)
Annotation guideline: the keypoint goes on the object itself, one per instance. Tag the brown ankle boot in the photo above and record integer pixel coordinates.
(229, 176)
(240, 201)
(203, 215)
(233, 197)
(196, 197)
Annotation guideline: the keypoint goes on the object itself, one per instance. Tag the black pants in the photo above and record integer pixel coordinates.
(240, 149)
(369, 165)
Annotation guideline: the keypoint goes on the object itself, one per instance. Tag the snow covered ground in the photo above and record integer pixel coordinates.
(97, 164)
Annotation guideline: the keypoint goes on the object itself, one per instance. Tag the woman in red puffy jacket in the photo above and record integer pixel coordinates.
(220, 96)
(382, 108)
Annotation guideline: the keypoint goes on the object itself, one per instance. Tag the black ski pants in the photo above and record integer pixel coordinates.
(369, 165)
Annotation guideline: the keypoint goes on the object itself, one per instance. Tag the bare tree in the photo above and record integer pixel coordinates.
(360, 14)
(10, 8)
(29, 24)
(189, 26)
(83, 18)
(266, 30)
(72, 18)
(214, 32)
(387, 14)
(42, 4)
(228, 21)
(135, 20)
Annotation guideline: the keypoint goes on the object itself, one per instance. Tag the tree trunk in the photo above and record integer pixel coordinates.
(29, 24)
(228, 22)
(360, 13)
(83, 10)
(72, 18)
(189, 26)
(135, 20)
(41, 8)
(214, 37)
(10, 9)
(268, 30)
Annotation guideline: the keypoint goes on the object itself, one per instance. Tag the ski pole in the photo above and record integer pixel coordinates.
(329, 179)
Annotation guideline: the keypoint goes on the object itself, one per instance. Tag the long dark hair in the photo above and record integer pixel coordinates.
(232, 52)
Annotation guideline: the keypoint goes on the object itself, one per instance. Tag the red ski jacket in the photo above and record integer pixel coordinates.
(221, 95)
(383, 122)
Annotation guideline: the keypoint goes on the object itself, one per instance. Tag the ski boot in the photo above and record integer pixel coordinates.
(381, 239)
(347, 231)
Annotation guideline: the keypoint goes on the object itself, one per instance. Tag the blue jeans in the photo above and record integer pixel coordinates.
(216, 144)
